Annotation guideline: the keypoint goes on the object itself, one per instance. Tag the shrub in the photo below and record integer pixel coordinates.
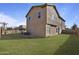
(25, 33)
(67, 32)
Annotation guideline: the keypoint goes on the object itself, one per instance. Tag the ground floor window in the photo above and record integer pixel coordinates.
(48, 29)
(58, 30)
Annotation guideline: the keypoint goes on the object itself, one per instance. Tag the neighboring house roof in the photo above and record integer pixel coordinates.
(44, 6)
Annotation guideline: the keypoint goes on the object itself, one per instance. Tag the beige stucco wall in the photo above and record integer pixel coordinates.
(35, 25)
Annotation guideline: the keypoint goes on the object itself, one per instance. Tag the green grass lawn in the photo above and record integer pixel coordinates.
(59, 44)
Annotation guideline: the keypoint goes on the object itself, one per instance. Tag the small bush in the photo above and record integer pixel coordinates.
(76, 31)
(25, 33)
(67, 32)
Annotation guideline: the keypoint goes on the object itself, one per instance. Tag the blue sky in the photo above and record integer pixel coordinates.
(14, 13)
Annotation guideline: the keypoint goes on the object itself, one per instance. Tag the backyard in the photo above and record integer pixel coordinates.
(55, 45)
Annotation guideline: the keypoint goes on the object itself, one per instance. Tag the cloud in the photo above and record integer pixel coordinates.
(12, 22)
(63, 11)
(23, 22)
(75, 19)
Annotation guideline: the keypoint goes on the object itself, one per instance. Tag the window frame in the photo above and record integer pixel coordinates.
(52, 17)
(28, 17)
(39, 15)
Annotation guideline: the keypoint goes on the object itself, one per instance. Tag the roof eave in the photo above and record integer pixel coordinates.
(44, 6)
(62, 19)
(38, 6)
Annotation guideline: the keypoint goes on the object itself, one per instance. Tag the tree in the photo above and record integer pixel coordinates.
(21, 28)
(9, 28)
(74, 27)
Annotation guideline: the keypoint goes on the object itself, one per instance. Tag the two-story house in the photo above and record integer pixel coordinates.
(44, 20)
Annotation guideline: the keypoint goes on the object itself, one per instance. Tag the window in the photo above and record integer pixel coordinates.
(29, 18)
(56, 29)
(39, 14)
(48, 29)
(53, 17)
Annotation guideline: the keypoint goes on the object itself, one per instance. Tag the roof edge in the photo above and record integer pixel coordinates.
(44, 6)
(39, 6)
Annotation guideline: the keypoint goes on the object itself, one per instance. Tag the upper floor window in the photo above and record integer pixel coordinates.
(53, 17)
(29, 18)
(39, 14)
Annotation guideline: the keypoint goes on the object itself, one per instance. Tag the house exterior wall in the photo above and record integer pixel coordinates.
(50, 30)
(40, 26)
(56, 21)
(36, 26)
(63, 25)
(51, 11)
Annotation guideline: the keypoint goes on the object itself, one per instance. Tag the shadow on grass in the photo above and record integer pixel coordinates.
(17, 37)
(70, 47)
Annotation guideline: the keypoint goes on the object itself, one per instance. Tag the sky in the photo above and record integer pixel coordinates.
(14, 13)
